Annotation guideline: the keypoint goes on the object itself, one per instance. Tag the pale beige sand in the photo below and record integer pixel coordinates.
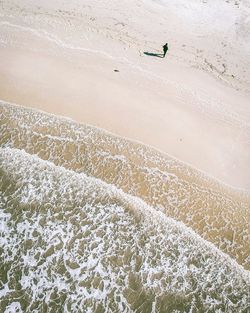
(173, 104)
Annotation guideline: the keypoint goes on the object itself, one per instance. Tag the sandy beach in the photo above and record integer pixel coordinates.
(198, 114)
(124, 175)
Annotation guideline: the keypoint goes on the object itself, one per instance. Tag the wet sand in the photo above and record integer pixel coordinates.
(144, 112)
(217, 213)
(195, 114)
(91, 220)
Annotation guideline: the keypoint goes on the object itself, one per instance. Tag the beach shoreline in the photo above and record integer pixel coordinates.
(142, 111)
(124, 174)
(92, 68)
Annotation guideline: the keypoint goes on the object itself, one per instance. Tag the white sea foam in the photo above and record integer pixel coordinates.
(89, 245)
(218, 213)
(90, 222)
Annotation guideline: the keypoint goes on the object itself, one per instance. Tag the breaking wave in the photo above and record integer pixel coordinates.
(90, 222)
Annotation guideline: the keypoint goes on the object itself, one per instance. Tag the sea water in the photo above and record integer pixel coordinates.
(90, 222)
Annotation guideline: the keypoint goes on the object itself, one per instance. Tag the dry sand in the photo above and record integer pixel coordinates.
(61, 58)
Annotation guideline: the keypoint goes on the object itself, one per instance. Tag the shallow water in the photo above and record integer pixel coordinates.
(89, 223)
(217, 212)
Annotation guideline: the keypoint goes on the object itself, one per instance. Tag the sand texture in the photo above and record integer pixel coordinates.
(194, 104)
(124, 175)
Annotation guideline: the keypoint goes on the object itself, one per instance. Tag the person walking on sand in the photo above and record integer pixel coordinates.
(165, 49)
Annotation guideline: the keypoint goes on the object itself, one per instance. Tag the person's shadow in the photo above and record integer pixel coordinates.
(158, 55)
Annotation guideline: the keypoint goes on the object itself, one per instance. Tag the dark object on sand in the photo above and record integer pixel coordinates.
(165, 49)
(158, 55)
(116, 70)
